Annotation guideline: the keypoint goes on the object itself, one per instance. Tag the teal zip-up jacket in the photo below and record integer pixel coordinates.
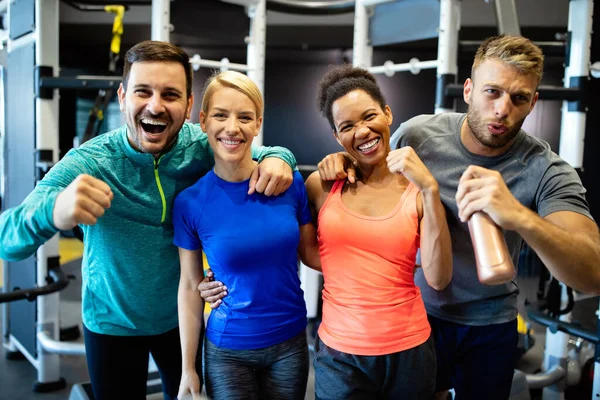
(130, 267)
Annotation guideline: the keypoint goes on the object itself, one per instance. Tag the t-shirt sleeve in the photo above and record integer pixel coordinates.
(396, 138)
(184, 224)
(561, 190)
(303, 210)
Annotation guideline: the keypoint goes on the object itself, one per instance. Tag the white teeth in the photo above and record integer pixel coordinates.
(231, 142)
(368, 145)
(153, 122)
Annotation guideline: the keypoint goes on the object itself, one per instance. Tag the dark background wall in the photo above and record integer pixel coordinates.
(591, 161)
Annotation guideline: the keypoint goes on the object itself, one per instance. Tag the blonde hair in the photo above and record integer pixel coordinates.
(516, 51)
(237, 81)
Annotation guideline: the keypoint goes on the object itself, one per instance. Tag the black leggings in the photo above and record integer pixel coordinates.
(118, 365)
(277, 372)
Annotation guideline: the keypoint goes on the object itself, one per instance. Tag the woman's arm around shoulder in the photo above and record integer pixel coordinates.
(317, 190)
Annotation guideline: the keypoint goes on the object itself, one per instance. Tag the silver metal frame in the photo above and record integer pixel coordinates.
(572, 128)
(448, 42)
(506, 15)
(48, 346)
(446, 62)
(255, 54)
(256, 48)
(161, 20)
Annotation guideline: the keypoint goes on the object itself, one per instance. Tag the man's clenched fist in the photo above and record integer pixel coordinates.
(82, 202)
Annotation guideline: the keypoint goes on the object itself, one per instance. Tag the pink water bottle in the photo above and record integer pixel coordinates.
(494, 264)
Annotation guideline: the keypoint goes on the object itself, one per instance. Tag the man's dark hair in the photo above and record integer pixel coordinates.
(151, 50)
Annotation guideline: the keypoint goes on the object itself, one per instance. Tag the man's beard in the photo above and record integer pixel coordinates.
(482, 135)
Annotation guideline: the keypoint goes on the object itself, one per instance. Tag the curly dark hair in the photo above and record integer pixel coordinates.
(341, 80)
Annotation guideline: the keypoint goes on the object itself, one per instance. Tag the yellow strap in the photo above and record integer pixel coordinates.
(521, 325)
(119, 11)
(206, 266)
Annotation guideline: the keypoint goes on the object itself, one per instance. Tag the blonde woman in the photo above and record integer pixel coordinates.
(255, 343)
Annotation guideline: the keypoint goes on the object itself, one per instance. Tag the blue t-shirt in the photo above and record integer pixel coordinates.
(251, 244)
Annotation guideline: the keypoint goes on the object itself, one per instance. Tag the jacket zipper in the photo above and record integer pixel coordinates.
(160, 190)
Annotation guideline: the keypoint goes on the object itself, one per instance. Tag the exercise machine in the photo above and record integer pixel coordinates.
(31, 328)
(572, 355)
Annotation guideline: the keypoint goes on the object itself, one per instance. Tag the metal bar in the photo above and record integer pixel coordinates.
(447, 68)
(255, 53)
(5, 309)
(414, 67)
(100, 82)
(58, 281)
(572, 128)
(567, 327)
(51, 346)
(47, 138)
(161, 20)
(93, 7)
(197, 61)
(543, 379)
(306, 167)
(370, 3)
(506, 16)
(316, 5)
(596, 382)
(22, 41)
(546, 92)
(362, 54)
(23, 350)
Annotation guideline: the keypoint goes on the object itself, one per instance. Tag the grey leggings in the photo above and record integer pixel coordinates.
(276, 372)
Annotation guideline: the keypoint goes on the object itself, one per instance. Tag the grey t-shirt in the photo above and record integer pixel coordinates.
(536, 176)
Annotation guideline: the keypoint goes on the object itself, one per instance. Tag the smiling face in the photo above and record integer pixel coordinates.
(155, 105)
(362, 127)
(231, 123)
(499, 99)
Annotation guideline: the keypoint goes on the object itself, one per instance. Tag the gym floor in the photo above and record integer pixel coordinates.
(16, 377)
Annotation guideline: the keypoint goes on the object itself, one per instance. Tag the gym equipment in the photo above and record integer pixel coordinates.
(31, 128)
(562, 372)
(31, 329)
(569, 356)
(255, 54)
(380, 22)
(104, 96)
(562, 367)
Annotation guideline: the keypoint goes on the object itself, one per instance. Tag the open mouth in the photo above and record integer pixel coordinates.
(369, 146)
(153, 125)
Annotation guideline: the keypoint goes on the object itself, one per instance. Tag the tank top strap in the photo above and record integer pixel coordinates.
(333, 193)
(409, 197)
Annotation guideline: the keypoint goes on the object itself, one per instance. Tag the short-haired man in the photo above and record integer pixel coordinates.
(484, 161)
(120, 188)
